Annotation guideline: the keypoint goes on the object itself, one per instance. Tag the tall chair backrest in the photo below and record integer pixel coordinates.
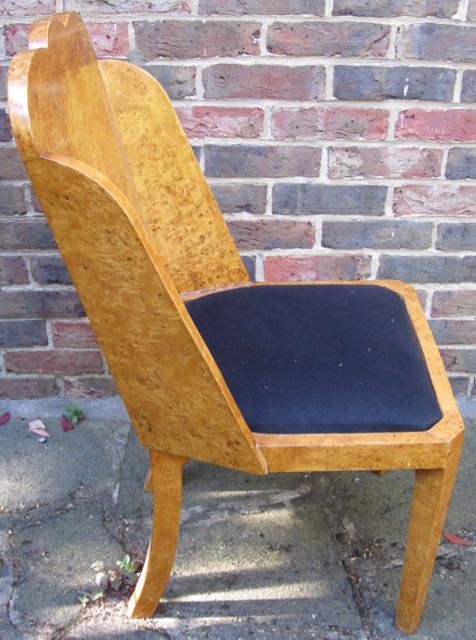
(135, 223)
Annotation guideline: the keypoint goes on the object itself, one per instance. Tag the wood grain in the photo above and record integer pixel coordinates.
(173, 391)
(431, 498)
(166, 485)
(179, 211)
(136, 224)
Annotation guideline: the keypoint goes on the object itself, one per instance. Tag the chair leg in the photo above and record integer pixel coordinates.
(166, 486)
(431, 498)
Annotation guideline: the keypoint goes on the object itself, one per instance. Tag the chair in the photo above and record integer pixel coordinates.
(258, 377)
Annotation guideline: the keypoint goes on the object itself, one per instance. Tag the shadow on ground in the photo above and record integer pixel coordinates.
(285, 556)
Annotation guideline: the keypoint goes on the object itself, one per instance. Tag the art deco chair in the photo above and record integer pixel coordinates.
(253, 376)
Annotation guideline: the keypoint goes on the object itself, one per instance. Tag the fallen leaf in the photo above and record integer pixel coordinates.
(66, 424)
(38, 427)
(451, 537)
(4, 418)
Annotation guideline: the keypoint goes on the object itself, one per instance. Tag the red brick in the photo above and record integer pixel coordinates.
(459, 360)
(13, 270)
(46, 361)
(454, 303)
(221, 122)
(110, 39)
(73, 335)
(128, 6)
(27, 7)
(196, 39)
(437, 124)
(329, 38)
(262, 7)
(444, 199)
(272, 234)
(330, 123)
(321, 267)
(89, 387)
(27, 388)
(264, 81)
(384, 162)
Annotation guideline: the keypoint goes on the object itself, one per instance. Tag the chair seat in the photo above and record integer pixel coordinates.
(302, 359)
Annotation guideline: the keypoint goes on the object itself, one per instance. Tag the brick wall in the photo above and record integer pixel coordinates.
(339, 137)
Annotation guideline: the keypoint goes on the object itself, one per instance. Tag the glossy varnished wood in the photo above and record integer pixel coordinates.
(166, 487)
(172, 388)
(432, 493)
(136, 224)
(179, 211)
(56, 95)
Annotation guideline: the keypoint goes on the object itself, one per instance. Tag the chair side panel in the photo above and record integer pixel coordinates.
(179, 211)
(66, 102)
(172, 389)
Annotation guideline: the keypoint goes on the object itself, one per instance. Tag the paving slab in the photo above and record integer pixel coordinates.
(369, 514)
(285, 556)
(247, 545)
(53, 553)
(82, 462)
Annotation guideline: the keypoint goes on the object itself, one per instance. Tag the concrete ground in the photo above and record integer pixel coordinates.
(285, 556)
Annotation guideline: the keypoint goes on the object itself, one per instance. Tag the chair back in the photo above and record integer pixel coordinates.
(135, 223)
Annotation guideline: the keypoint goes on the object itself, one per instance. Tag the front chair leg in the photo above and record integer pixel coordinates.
(431, 498)
(166, 486)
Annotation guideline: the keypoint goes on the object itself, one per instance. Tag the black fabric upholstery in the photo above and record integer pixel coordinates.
(319, 358)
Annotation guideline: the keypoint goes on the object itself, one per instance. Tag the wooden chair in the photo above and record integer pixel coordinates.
(252, 376)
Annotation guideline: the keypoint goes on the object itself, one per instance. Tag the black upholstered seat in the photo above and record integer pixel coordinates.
(319, 358)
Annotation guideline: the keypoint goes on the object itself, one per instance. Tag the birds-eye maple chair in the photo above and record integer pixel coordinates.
(258, 377)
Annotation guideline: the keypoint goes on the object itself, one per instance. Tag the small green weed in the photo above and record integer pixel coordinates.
(119, 581)
(74, 414)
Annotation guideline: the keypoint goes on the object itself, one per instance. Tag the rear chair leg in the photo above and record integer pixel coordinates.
(166, 485)
(431, 498)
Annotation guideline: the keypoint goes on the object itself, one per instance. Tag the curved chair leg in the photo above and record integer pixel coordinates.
(166, 486)
(431, 498)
